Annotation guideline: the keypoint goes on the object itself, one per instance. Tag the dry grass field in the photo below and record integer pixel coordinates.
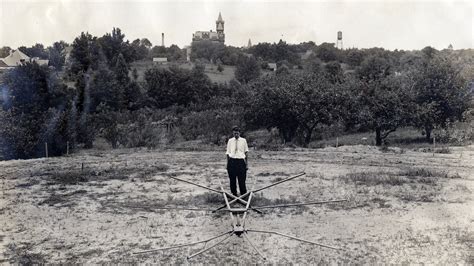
(102, 206)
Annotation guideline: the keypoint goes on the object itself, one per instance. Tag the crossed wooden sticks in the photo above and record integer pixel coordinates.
(238, 222)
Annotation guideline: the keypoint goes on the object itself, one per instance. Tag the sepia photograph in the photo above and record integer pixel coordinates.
(237, 132)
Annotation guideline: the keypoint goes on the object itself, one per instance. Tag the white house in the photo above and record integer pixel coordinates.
(14, 59)
(39, 61)
(160, 60)
(272, 66)
(3, 65)
(17, 58)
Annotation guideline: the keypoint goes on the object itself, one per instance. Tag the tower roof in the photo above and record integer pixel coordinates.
(220, 17)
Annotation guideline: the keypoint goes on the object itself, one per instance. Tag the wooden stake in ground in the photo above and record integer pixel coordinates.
(46, 149)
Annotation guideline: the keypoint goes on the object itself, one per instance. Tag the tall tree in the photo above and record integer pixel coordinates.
(333, 72)
(56, 54)
(294, 103)
(384, 105)
(127, 93)
(384, 100)
(354, 57)
(146, 43)
(5, 51)
(247, 69)
(33, 113)
(113, 44)
(137, 50)
(429, 52)
(374, 68)
(36, 50)
(174, 53)
(327, 52)
(175, 86)
(85, 53)
(103, 89)
(441, 95)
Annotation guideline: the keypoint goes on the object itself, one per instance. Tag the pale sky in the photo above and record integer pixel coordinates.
(391, 24)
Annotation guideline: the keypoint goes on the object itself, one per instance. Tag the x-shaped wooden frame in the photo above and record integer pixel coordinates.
(238, 225)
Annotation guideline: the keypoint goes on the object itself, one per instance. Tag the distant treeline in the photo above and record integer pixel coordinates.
(315, 87)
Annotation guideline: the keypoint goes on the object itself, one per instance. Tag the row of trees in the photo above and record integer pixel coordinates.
(54, 53)
(90, 46)
(39, 108)
(384, 91)
(289, 55)
(373, 98)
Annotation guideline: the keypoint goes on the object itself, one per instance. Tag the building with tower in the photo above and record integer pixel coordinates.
(214, 36)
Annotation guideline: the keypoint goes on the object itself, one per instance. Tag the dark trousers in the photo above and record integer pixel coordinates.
(236, 168)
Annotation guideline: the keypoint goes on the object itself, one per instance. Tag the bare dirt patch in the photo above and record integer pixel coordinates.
(102, 206)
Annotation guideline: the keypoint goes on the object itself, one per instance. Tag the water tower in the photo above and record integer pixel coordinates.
(339, 40)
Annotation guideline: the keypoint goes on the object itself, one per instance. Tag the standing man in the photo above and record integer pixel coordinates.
(237, 161)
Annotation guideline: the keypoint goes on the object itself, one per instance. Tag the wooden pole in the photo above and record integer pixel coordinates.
(184, 245)
(292, 237)
(67, 148)
(254, 247)
(201, 186)
(337, 142)
(244, 195)
(46, 149)
(274, 184)
(206, 249)
(296, 204)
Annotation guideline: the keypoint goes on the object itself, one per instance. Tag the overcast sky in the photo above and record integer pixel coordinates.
(391, 24)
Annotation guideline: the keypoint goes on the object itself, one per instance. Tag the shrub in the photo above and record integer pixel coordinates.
(141, 128)
(443, 150)
(140, 131)
(212, 125)
(423, 172)
(457, 133)
(247, 69)
(375, 178)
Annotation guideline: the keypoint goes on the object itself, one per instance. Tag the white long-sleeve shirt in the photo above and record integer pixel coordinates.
(236, 148)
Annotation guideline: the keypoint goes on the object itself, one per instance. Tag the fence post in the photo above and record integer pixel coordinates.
(67, 148)
(46, 149)
(337, 142)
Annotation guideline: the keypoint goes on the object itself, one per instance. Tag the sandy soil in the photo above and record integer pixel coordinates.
(100, 207)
